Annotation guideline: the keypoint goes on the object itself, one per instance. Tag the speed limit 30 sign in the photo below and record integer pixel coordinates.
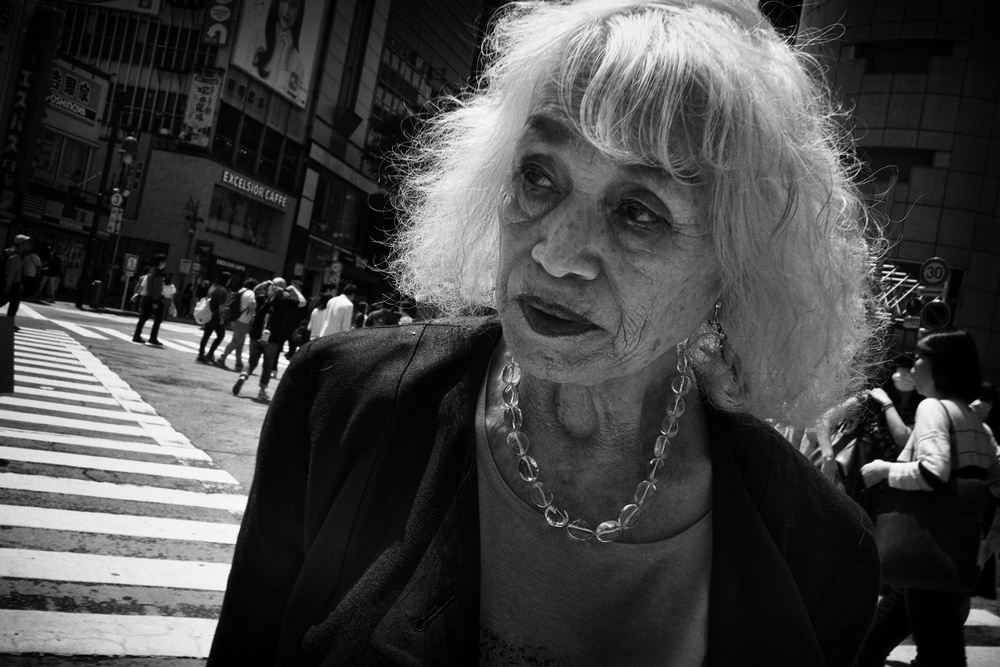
(934, 272)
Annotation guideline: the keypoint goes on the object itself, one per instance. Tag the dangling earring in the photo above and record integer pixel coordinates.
(725, 350)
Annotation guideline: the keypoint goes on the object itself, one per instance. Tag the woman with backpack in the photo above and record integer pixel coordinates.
(240, 312)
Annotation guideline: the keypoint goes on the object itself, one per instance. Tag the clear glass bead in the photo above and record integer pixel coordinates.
(676, 407)
(669, 426)
(519, 442)
(514, 417)
(681, 384)
(629, 516)
(655, 466)
(579, 529)
(609, 531)
(540, 495)
(527, 468)
(556, 517)
(511, 374)
(683, 363)
(661, 449)
(644, 491)
(508, 394)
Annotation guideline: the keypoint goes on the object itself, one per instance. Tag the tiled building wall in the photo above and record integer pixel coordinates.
(923, 78)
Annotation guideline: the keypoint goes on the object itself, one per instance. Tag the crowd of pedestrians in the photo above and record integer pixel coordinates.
(28, 273)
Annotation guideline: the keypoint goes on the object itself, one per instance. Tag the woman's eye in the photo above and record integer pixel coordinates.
(638, 214)
(535, 177)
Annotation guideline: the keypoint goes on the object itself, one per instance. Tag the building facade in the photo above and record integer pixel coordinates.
(923, 78)
(254, 122)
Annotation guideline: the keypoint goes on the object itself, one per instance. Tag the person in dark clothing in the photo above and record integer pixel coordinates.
(187, 299)
(51, 277)
(382, 316)
(150, 292)
(217, 294)
(297, 320)
(13, 258)
(272, 305)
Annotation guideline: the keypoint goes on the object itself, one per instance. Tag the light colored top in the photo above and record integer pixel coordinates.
(169, 291)
(32, 265)
(339, 312)
(316, 319)
(929, 445)
(247, 305)
(547, 599)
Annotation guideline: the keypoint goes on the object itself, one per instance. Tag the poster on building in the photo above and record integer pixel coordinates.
(199, 116)
(220, 17)
(76, 97)
(276, 44)
(137, 6)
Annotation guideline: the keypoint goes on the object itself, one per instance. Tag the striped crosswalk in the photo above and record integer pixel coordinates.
(116, 533)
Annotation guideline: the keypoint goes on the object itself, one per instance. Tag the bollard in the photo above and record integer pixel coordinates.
(6, 355)
(95, 294)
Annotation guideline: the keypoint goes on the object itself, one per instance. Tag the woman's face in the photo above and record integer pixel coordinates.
(921, 372)
(288, 11)
(603, 268)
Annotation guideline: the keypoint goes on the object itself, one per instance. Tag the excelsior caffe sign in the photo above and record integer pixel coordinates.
(254, 189)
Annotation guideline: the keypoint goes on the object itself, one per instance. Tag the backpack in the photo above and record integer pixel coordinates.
(231, 310)
(203, 311)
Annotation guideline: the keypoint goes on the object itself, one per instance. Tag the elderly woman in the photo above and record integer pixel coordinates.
(651, 197)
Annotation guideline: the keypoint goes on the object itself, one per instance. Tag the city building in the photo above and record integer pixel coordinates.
(254, 121)
(922, 79)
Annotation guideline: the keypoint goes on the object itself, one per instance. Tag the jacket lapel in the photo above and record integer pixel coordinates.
(754, 605)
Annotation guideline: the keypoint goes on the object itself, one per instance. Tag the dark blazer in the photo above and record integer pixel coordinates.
(360, 542)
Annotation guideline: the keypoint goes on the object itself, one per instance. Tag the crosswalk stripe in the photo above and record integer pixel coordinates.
(22, 378)
(45, 350)
(77, 410)
(48, 355)
(77, 329)
(177, 346)
(64, 395)
(176, 451)
(113, 491)
(121, 570)
(62, 633)
(51, 373)
(65, 422)
(117, 524)
(25, 309)
(114, 333)
(66, 342)
(45, 457)
(34, 362)
(189, 345)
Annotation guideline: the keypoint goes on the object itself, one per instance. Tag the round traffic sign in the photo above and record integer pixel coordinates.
(935, 315)
(934, 272)
(117, 199)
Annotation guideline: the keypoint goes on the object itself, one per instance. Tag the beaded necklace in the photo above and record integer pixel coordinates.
(527, 467)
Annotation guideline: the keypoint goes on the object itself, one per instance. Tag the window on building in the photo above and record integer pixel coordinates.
(290, 158)
(270, 153)
(248, 147)
(335, 210)
(242, 219)
(62, 161)
(225, 133)
(901, 56)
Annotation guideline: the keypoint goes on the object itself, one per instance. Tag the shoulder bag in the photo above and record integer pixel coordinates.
(929, 540)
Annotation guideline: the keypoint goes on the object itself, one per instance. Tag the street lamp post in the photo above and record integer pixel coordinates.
(127, 153)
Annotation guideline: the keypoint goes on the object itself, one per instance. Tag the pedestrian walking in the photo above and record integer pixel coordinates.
(149, 295)
(339, 312)
(241, 324)
(217, 295)
(13, 262)
(262, 329)
(187, 297)
(31, 272)
(169, 294)
(52, 275)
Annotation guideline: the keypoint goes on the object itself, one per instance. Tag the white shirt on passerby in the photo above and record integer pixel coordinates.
(247, 305)
(317, 318)
(339, 313)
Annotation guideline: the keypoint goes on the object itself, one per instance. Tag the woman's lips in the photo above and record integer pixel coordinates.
(550, 319)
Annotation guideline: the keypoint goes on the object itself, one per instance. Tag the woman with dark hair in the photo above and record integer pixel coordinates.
(278, 61)
(946, 371)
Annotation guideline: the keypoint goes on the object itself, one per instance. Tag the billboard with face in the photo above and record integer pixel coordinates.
(276, 43)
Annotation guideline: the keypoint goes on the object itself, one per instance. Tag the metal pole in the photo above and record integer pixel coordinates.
(88, 254)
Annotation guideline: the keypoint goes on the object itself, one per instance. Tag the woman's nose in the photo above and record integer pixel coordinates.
(569, 243)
